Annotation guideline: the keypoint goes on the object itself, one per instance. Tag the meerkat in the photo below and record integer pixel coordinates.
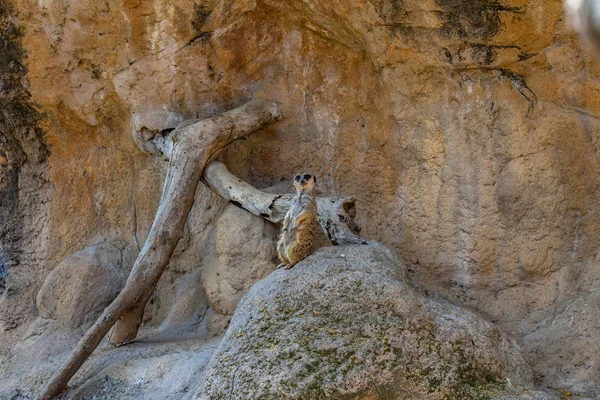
(300, 223)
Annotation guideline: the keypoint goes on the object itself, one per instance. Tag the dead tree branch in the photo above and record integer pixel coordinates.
(336, 215)
(193, 144)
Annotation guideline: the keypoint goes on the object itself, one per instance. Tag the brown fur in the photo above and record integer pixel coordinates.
(300, 224)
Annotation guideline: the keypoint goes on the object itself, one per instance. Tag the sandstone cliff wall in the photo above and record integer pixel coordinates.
(468, 130)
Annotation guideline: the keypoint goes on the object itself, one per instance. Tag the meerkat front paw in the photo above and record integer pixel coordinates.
(282, 265)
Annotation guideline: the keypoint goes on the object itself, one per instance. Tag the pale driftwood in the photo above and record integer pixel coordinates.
(193, 146)
(336, 215)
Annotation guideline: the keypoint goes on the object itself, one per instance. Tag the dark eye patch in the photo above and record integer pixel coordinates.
(307, 176)
(297, 178)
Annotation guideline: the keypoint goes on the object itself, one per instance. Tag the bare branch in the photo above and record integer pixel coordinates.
(336, 215)
(193, 145)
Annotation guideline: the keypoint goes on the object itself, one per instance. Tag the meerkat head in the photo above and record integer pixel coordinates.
(304, 182)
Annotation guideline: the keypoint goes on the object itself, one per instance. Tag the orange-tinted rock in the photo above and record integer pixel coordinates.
(467, 130)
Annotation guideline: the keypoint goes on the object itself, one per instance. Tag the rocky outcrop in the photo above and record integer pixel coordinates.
(345, 323)
(80, 287)
(572, 333)
(24, 184)
(243, 254)
(467, 131)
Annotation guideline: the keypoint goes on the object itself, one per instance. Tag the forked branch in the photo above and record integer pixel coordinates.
(193, 143)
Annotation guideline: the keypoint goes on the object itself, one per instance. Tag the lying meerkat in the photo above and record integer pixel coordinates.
(300, 223)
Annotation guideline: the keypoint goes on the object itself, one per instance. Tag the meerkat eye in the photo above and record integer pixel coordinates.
(297, 178)
(307, 177)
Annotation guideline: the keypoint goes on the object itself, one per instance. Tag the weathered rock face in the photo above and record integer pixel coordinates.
(345, 323)
(80, 287)
(572, 332)
(467, 130)
(243, 254)
(24, 186)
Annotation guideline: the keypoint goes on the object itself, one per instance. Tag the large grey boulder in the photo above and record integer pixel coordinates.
(83, 284)
(346, 324)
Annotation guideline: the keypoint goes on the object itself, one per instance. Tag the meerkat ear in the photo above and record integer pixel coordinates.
(315, 178)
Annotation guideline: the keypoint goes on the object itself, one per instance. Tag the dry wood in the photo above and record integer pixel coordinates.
(336, 215)
(193, 145)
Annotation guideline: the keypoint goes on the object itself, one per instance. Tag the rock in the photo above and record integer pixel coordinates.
(346, 323)
(148, 369)
(153, 371)
(25, 189)
(467, 131)
(82, 285)
(191, 315)
(190, 304)
(216, 323)
(567, 340)
(243, 253)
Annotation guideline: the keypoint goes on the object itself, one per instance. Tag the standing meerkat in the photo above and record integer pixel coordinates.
(300, 223)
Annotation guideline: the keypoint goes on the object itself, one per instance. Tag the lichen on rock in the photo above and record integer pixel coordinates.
(467, 130)
(345, 323)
